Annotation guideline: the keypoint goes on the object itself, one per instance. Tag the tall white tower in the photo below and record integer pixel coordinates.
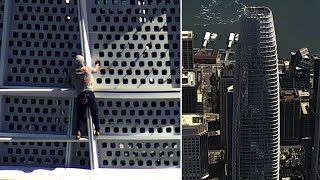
(256, 137)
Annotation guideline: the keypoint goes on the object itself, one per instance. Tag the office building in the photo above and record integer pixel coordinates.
(292, 160)
(314, 117)
(307, 147)
(216, 164)
(207, 78)
(200, 108)
(284, 77)
(194, 147)
(306, 121)
(300, 69)
(256, 135)
(189, 92)
(226, 80)
(290, 117)
(214, 132)
(187, 51)
(230, 124)
(206, 56)
(316, 70)
(314, 90)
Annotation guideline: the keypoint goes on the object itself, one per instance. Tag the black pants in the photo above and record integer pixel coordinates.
(92, 104)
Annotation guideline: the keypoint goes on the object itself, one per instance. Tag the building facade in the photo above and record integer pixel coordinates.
(256, 136)
(137, 87)
(189, 92)
(229, 131)
(226, 80)
(187, 51)
(314, 117)
(194, 147)
(291, 126)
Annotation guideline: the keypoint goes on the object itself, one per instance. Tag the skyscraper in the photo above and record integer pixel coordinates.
(187, 51)
(290, 113)
(195, 147)
(314, 118)
(225, 81)
(189, 92)
(256, 137)
(229, 120)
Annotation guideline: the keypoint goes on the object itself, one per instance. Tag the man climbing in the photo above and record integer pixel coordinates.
(81, 79)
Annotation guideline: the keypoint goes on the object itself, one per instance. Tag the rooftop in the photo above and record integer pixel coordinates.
(212, 116)
(257, 11)
(215, 156)
(199, 96)
(288, 94)
(186, 34)
(230, 88)
(188, 78)
(303, 94)
(228, 57)
(206, 54)
(304, 107)
(192, 119)
(304, 52)
(193, 124)
(315, 56)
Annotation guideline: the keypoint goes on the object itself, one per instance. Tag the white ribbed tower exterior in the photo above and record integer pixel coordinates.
(256, 137)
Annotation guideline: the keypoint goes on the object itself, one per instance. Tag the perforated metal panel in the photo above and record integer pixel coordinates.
(42, 38)
(138, 154)
(79, 157)
(138, 45)
(137, 41)
(144, 117)
(35, 115)
(2, 3)
(39, 154)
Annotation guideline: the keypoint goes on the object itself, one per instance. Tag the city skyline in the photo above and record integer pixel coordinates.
(286, 155)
